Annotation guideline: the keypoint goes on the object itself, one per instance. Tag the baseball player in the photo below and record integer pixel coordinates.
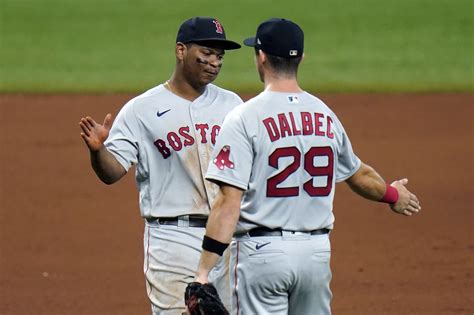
(169, 132)
(277, 160)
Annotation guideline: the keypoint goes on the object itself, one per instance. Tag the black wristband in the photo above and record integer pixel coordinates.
(213, 245)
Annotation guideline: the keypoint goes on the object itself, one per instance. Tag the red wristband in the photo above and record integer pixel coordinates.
(391, 195)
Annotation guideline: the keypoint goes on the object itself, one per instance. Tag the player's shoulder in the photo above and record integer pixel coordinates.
(249, 111)
(323, 107)
(316, 100)
(319, 103)
(150, 95)
(262, 102)
(155, 95)
(223, 93)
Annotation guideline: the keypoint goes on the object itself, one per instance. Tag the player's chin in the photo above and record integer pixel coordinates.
(208, 78)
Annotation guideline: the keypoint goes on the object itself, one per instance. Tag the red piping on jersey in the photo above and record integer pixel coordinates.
(147, 250)
(148, 259)
(235, 277)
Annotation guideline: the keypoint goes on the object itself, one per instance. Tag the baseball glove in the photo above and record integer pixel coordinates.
(202, 299)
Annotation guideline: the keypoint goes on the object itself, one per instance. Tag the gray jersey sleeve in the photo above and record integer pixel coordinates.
(347, 162)
(232, 158)
(123, 138)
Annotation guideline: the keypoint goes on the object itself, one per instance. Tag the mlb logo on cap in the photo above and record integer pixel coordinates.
(278, 37)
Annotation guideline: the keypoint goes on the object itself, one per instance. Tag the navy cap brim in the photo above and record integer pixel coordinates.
(250, 42)
(218, 42)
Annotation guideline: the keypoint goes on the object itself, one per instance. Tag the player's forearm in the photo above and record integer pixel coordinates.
(206, 263)
(107, 168)
(220, 227)
(224, 214)
(367, 183)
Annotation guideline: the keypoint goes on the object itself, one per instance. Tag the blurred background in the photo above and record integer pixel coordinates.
(128, 46)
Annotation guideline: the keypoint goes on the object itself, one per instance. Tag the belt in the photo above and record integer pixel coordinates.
(183, 220)
(279, 232)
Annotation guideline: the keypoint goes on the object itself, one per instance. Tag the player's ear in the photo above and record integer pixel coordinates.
(180, 50)
(261, 57)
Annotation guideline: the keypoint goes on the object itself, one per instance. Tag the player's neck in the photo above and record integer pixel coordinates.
(180, 86)
(282, 85)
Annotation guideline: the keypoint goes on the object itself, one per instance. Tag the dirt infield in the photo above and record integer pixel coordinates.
(72, 245)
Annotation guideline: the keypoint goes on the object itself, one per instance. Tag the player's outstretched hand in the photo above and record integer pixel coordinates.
(93, 133)
(407, 203)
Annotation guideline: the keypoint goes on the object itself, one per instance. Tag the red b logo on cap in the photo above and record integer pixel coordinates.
(218, 27)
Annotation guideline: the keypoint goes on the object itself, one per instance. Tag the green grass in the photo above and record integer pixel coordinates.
(128, 46)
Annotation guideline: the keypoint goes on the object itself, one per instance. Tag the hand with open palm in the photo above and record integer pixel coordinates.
(93, 133)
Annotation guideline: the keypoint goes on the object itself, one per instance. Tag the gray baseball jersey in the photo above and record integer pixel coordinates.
(287, 151)
(170, 139)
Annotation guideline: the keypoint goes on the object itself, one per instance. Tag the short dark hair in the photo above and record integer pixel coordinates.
(284, 66)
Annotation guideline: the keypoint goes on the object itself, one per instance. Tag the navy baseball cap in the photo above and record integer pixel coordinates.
(278, 37)
(204, 29)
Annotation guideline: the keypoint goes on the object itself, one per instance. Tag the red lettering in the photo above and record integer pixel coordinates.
(329, 131)
(272, 129)
(318, 124)
(188, 139)
(202, 129)
(306, 123)
(214, 133)
(296, 132)
(162, 148)
(284, 126)
(174, 141)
